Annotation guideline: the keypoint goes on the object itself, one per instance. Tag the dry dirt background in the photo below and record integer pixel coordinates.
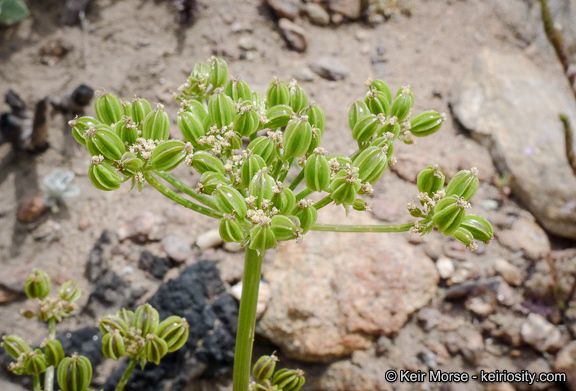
(136, 47)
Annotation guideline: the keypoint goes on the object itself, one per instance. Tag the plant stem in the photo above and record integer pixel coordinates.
(36, 382)
(187, 190)
(284, 173)
(362, 228)
(176, 198)
(297, 180)
(49, 375)
(303, 194)
(247, 319)
(323, 202)
(127, 374)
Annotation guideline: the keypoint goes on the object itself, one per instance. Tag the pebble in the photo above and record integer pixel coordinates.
(148, 226)
(176, 248)
(330, 68)
(295, 35)
(445, 267)
(48, 231)
(472, 345)
(540, 334)
(232, 247)
(429, 318)
(304, 74)
(264, 296)
(510, 273)
(209, 239)
(480, 306)
(317, 14)
(247, 43)
(32, 208)
(285, 8)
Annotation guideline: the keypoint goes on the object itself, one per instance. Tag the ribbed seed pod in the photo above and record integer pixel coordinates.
(191, 127)
(298, 97)
(53, 352)
(230, 229)
(317, 172)
(262, 237)
(168, 155)
(344, 188)
(104, 177)
(264, 368)
(402, 104)
(358, 110)
(277, 94)
(261, 187)
(430, 180)
(251, 165)
(156, 125)
(341, 159)
(69, 291)
(377, 102)
(426, 123)
(203, 161)
(285, 201)
(211, 179)
(372, 163)
(238, 90)
(448, 214)
(74, 373)
(15, 345)
(195, 107)
(126, 130)
(379, 85)
(221, 109)
(35, 363)
(230, 200)
(307, 214)
(278, 116)
(127, 108)
(479, 227)
(258, 100)
(288, 379)
(247, 121)
(285, 227)
(155, 348)
(108, 108)
(384, 142)
(146, 319)
(265, 148)
(464, 184)
(125, 315)
(140, 109)
(129, 164)
(37, 285)
(218, 72)
(80, 126)
(464, 236)
(391, 126)
(103, 140)
(316, 117)
(113, 346)
(109, 323)
(297, 138)
(367, 127)
(173, 330)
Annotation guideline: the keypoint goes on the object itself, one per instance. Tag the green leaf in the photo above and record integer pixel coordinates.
(12, 11)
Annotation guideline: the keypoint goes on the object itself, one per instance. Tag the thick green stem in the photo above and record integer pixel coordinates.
(247, 319)
(303, 194)
(181, 200)
(36, 382)
(126, 375)
(187, 190)
(323, 202)
(362, 228)
(297, 180)
(49, 375)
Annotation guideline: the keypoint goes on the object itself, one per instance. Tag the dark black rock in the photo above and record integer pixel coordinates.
(156, 266)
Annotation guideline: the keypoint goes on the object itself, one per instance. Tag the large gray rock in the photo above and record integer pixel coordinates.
(512, 107)
(335, 291)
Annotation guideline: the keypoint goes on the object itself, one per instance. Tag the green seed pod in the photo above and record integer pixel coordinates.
(146, 319)
(278, 116)
(264, 368)
(35, 363)
(198, 81)
(15, 346)
(221, 109)
(191, 127)
(405, 90)
(247, 121)
(284, 227)
(377, 102)
(317, 172)
(344, 188)
(288, 379)
(140, 109)
(277, 94)
(367, 127)
(448, 214)
(358, 110)
(74, 373)
(69, 291)
(316, 117)
(430, 180)
(156, 125)
(109, 323)
(307, 214)
(360, 205)
(426, 123)
(341, 159)
(479, 227)
(230, 200)
(103, 140)
(261, 187)
(379, 85)
(238, 90)
(298, 97)
(204, 161)
(218, 72)
(80, 126)
(262, 238)
(284, 201)
(251, 165)
(37, 285)
(297, 138)
(211, 179)
(127, 108)
(155, 348)
(113, 346)
(463, 236)
(265, 148)
(195, 107)
(104, 177)
(402, 104)
(129, 164)
(258, 100)
(126, 315)
(372, 163)
(108, 108)
(391, 126)
(127, 131)
(230, 229)
(53, 352)
(173, 330)
(464, 184)
(384, 143)
(168, 155)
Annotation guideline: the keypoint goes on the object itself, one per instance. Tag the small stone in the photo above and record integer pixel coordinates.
(526, 236)
(232, 247)
(247, 43)
(146, 227)
(445, 267)
(351, 9)
(317, 14)
(176, 248)
(540, 334)
(337, 18)
(439, 350)
(304, 74)
(479, 306)
(472, 345)
(330, 68)
(566, 362)
(433, 246)
(209, 239)
(285, 8)
(264, 296)
(32, 208)
(505, 295)
(510, 273)
(8, 296)
(428, 358)
(295, 35)
(156, 266)
(83, 223)
(49, 231)
(429, 318)
(361, 35)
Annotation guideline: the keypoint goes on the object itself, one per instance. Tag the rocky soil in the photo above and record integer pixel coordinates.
(343, 307)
